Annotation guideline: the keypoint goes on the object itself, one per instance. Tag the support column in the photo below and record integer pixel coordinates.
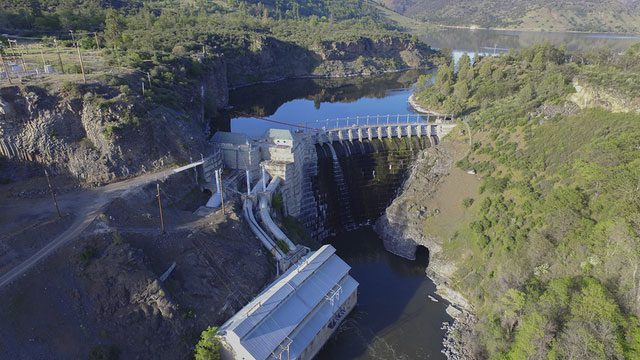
(399, 131)
(419, 130)
(370, 133)
(379, 133)
(389, 132)
(408, 130)
(350, 134)
(248, 182)
(340, 136)
(360, 134)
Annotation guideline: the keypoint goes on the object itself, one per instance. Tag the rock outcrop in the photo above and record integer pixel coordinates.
(589, 96)
(268, 59)
(401, 225)
(92, 133)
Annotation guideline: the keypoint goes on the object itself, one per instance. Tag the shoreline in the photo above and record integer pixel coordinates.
(328, 76)
(630, 35)
(419, 109)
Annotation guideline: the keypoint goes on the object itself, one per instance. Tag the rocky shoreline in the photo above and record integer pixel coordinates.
(419, 108)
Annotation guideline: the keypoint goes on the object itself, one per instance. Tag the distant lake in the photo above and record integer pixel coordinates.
(498, 41)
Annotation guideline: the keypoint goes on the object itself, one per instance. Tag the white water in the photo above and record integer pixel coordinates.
(343, 190)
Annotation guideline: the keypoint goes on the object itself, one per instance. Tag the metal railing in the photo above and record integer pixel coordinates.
(375, 120)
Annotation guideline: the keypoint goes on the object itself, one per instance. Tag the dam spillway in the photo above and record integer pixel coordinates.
(372, 172)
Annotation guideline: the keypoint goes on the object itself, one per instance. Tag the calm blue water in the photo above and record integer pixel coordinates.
(304, 111)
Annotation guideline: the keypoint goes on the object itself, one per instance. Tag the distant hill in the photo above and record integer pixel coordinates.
(546, 15)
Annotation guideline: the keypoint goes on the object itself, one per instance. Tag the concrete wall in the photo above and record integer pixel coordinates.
(325, 333)
(240, 157)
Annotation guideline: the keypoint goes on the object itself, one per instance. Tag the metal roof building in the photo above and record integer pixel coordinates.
(296, 314)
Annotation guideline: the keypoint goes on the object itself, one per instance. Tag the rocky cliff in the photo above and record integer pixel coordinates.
(588, 95)
(402, 225)
(403, 228)
(91, 132)
(269, 59)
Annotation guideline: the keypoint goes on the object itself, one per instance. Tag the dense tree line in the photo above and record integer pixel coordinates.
(64, 15)
(550, 256)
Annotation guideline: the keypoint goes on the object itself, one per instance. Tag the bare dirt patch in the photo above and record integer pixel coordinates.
(104, 288)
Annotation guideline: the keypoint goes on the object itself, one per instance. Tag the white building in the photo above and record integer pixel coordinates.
(295, 316)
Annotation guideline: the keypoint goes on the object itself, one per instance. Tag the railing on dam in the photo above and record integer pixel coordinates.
(376, 120)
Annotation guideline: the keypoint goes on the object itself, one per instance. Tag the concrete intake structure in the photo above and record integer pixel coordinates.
(296, 314)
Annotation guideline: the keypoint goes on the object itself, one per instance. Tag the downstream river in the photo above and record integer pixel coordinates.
(395, 317)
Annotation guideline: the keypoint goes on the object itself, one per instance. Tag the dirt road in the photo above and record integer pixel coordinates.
(86, 206)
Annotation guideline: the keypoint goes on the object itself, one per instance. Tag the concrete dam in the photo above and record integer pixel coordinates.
(331, 179)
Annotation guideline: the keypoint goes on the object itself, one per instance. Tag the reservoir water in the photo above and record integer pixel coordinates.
(498, 41)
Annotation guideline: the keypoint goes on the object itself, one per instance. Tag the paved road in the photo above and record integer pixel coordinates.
(89, 204)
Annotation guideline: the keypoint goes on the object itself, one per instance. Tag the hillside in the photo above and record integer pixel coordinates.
(545, 247)
(173, 59)
(544, 15)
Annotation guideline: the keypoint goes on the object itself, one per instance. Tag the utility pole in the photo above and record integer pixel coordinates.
(53, 194)
(149, 78)
(6, 70)
(44, 63)
(160, 207)
(221, 191)
(59, 58)
(24, 64)
(95, 35)
(84, 77)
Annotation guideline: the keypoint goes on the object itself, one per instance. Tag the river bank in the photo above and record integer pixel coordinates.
(424, 214)
(402, 229)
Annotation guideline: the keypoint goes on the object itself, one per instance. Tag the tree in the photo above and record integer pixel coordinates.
(465, 71)
(208, 348)
(538, 62)
(113, 27)
(512, 303)
(445, 79)
(527, 93)
(461, 90)
(485, 68)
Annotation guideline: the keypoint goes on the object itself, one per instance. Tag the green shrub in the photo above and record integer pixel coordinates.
(208, 348)
(277, 202)
(117, 238)
(87, 254)
(282, 245)
(104, 352)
